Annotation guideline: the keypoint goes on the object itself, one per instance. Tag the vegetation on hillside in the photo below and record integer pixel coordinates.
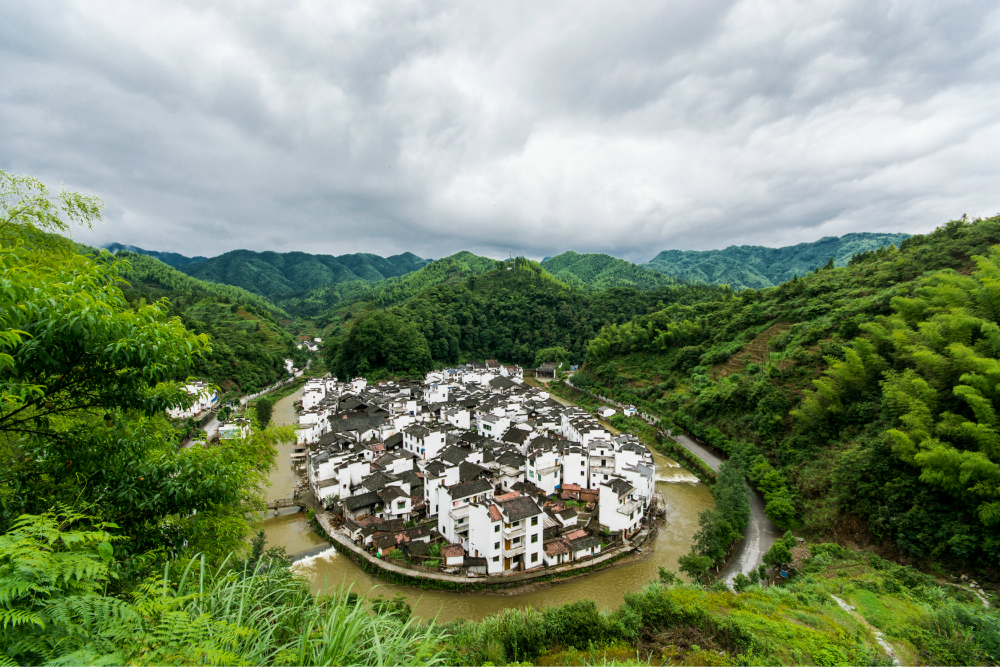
(600, 271)
(510, 313)
(257, 611)
(272, 274)
(169, 258)
(335, 302)
(864, 392)
(757, 267)
(249, 345)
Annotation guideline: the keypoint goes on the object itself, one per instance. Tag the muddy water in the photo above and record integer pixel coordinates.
(685, 496)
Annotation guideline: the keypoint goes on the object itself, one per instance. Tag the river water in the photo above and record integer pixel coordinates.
(685, 497)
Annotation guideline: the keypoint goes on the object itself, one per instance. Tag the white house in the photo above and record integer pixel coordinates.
(618, 507)
(203, 400)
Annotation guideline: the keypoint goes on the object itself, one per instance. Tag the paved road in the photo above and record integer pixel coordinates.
(761, 533)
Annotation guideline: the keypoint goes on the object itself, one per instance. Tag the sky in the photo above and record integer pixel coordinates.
(504, 128)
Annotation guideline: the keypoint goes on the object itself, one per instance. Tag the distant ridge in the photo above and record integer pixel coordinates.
(757, 267)
(601, 271)
(271, 273)
(169, 258)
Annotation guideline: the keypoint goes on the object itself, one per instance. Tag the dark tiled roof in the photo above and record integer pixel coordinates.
(472, 488)
(515, 435)
(519, 508)
(470, 471)
(620, 486)
(364, 500)
(421, 549)
(585, 543)
(455, 455)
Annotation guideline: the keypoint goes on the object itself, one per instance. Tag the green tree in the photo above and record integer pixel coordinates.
(262, 411)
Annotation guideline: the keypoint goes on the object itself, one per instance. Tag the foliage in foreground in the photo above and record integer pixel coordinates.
(259, 611)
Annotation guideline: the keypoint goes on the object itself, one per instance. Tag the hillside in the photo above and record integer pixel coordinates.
(601, 271)
(514, 313)
(169, 258)
(271, 274)
(249, 347)
(862, 400)
(323, 300)
(757, 267)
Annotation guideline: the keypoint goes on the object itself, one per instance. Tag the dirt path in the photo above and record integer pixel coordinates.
(879, 635)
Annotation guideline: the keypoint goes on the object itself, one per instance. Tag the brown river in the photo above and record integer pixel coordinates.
(685, 496)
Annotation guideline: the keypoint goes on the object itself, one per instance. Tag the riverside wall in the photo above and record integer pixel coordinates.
(439, 580)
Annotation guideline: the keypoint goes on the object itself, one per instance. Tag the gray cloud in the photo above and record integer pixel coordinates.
(518, 126)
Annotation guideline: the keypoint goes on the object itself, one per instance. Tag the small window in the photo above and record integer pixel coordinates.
(496, 545)
(496, 559)
(497, 528)
(535, 557)
(516, 524)
(606, 477)
(535, 521)
(516, 540)
(535, 538)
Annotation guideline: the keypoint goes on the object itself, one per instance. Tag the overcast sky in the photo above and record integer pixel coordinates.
(525, 127)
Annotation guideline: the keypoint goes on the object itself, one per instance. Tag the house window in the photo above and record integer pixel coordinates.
(461, 519)
(401, 504)
(496, 559)
(497, 528)
(535, 538)
(535, 557)
(496, 545)
(516, 524)
(516, 540)
(486, 427)
(606, 477)
(535, 521)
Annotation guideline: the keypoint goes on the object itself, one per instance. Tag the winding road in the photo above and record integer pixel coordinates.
(761, 533)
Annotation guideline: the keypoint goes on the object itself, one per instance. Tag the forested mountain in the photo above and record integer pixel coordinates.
(511, 313)
(249, 347)
(169, 258)
(271, 273)
(601, 271)
(862, 401)
(319, 301)
(758, 267)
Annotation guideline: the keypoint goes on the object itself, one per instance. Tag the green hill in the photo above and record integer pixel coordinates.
(757, 267)
(249, 346)
(515, 313)
(600, 271)
(324, 300)
(169, 258)
(271, 274)
(862, 400)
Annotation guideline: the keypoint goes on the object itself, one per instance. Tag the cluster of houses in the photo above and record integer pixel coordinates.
(472, 466)
(203, 398)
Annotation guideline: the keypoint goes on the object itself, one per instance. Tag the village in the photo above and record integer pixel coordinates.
(472, 470)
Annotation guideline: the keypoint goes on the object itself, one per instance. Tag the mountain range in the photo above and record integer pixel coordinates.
(757, 267)
(307, 285)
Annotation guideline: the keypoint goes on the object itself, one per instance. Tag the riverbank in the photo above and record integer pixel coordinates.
(439, 580)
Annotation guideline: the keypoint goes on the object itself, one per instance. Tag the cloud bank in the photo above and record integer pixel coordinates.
(519, 127)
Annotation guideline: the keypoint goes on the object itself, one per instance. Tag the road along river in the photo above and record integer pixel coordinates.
(685, 496)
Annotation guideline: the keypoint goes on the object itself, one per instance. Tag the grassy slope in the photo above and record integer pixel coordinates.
(757, 267)
(601, 271)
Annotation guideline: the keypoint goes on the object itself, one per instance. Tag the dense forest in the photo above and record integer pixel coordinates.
(599, 271)
(510, 313)
(272, 274)
(862, 401)
(249, 346)
(757, 267)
